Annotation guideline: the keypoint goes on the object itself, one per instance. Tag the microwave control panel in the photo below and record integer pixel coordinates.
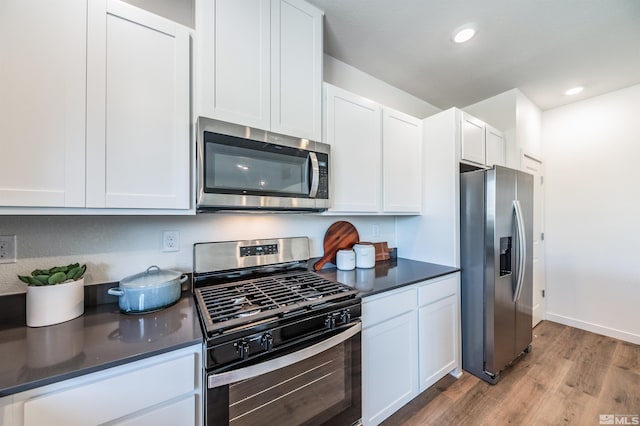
(323, 181)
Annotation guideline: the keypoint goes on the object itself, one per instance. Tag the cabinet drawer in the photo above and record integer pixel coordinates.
(113, 397)
(437, 289)
(384, 308)
(181, 412)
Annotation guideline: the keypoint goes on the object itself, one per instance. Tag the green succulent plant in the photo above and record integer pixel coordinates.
(55, 275)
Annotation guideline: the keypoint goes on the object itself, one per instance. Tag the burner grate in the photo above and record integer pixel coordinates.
(233, 304)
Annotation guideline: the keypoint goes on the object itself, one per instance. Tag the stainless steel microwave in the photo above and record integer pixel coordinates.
(242, 168)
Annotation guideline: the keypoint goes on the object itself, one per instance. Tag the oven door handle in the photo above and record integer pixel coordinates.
(216, 380)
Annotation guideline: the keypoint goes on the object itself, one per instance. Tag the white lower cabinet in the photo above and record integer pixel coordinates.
(389, 360)
(439, 328)
(161, 390)
(410, 340)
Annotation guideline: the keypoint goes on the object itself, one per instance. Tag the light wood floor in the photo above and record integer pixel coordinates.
(570, 377)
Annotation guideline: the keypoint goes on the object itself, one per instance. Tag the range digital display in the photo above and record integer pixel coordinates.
(258, 250)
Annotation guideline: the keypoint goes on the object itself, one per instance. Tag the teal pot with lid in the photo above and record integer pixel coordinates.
(149, 291)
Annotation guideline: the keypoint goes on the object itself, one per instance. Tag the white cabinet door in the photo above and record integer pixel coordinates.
(42, 103)
(296, 69)
(495, 147)
(353, 130)
(438, 327)
(401, 162)
(389, 367)
(235, 61)
(137, 109)
(472, 143)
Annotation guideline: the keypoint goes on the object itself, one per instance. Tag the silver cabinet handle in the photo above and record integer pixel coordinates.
(216, 380)
(522, 249)
(315, 175)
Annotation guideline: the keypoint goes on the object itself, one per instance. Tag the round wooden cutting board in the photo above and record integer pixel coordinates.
(339, 236)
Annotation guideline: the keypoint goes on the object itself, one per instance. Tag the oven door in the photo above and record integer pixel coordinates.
(318, 383)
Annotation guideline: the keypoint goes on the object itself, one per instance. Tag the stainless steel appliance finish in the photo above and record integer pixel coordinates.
(227, 255)
(282, 343)
(258, 170)
(496, 209)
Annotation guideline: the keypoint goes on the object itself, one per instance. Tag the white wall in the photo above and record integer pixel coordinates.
(592, 148)
(114, 247)
(528, 129)
(352, 79)
(181, 11)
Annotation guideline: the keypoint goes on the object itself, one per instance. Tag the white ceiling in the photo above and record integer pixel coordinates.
(542, 47)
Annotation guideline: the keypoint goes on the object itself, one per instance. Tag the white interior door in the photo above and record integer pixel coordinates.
(533, 165)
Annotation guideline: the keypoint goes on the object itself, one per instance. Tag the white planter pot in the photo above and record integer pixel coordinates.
(53, 304)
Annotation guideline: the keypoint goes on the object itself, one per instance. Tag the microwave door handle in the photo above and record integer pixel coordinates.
(315, 174)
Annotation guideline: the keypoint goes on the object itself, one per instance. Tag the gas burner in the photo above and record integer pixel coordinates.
(241, 302)
(245, 308)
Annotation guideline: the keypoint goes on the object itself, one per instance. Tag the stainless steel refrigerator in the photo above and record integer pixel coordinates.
(496, 230)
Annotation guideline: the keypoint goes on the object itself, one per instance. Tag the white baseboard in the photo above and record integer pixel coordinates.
(594, 328)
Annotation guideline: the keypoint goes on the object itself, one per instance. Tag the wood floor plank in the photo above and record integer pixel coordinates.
(591, 364)
(620, 393)
(566, 406)
(627, 357)
(570, 377)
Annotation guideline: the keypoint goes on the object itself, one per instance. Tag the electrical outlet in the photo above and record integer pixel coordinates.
(375, 230)
(7, 249)
(170, 241)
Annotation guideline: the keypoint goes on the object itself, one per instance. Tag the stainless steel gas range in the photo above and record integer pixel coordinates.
(282, 343)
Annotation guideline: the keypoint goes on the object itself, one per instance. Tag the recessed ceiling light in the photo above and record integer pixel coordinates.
(464, 33)
(574, 91)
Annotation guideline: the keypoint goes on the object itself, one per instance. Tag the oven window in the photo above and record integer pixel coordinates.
(238, 166)
(317, 390)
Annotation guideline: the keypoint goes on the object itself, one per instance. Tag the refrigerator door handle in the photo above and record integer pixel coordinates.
(522, 250)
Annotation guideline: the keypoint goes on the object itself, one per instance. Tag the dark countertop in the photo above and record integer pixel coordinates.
(387, 275)
(101, 338)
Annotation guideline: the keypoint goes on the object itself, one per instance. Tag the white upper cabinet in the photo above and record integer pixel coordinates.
(402, 162)
(296, 69)
(137, 109)
(496, 147)
(376, 156)
(480, 144)
(42, 103)
(353, 130)
(261, 64)
(472, 142)
(94, 110)
(234, 80)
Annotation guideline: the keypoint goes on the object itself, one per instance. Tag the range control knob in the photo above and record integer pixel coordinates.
(242, 349)
(267, 342)
(330, 322)
(345, 316)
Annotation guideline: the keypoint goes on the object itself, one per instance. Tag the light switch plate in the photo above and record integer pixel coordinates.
(7, 249)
